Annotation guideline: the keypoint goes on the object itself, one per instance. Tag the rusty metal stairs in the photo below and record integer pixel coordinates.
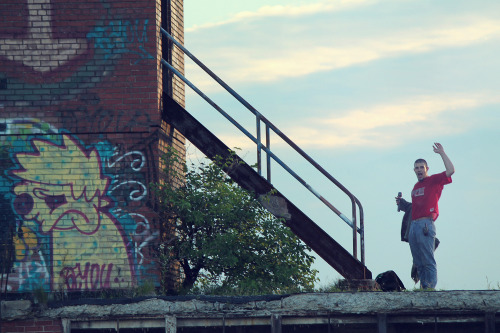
(345, 263)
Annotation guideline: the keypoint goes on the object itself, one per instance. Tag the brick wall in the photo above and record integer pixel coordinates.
(32, 326)
(80, 138)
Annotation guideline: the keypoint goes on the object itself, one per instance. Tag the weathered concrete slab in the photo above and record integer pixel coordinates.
(299, 305)
(16, 309)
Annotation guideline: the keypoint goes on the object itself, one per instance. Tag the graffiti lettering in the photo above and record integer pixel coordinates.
(94, 277)
(118, 36)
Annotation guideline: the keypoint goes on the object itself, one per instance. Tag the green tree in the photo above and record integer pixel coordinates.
(223, 239)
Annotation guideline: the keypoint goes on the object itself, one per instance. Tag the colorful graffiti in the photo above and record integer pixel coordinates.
(62, 189)
(58, 61)
(77, 229)
(119, 35)
(123, 36)
(39, 39)
(73, 195)
(31, 271)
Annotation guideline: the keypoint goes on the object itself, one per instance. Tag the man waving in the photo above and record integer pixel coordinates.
(425, 211)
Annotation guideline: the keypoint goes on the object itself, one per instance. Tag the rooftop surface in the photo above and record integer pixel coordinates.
(470, 311)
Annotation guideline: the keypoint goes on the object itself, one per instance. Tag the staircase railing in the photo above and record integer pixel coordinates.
(266, 148)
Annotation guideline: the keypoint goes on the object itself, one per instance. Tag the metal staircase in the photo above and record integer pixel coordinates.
(325, 246)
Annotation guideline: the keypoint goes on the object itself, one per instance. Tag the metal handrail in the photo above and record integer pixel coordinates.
(266, 147)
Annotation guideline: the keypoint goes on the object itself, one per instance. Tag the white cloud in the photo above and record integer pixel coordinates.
(244, 64)
(274, 58)
(286, 11)
(383, 125)
(418, 109)
(391, 124)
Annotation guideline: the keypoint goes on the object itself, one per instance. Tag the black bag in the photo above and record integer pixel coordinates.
(389, 281)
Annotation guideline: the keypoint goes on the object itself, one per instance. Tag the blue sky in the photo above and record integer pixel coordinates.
(365, 87)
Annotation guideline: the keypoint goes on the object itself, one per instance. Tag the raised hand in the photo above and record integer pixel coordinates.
(438, 148)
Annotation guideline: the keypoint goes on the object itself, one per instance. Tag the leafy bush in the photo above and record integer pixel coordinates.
(222, 238)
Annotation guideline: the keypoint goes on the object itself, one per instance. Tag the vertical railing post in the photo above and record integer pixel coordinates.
(362, 234)
(259, 145)
(268, 157)
(354, 232)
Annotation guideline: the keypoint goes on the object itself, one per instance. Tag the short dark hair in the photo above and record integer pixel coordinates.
(421, 160)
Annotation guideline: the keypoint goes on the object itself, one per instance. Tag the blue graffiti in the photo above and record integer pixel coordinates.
(121, 37)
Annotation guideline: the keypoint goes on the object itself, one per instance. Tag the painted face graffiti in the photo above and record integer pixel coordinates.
(55, 207)
(63, 190)
(54, 201)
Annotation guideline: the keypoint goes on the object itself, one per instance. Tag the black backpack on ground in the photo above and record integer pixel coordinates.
(389, 281)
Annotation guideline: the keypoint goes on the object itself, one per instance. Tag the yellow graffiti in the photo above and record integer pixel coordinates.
(25, 245)
(63, 190)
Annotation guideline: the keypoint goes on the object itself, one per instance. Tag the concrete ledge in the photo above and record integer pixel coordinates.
(298, 305)
(12, 310)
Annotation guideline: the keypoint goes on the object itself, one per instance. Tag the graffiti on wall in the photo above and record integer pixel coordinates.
(118, 35)
(73, 233)
(78, 205)
(58, 61)
(63, 190)
(124, 36)
(39, 38)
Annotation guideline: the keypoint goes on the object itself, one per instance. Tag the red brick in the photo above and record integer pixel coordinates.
(120, 108)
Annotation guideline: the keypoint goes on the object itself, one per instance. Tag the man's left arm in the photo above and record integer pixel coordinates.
(438, 149)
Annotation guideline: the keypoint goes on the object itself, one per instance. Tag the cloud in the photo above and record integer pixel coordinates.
(286, 11)
(391, 124)
(245, 64)
(379, 126)
(415, 110)
(250, 54)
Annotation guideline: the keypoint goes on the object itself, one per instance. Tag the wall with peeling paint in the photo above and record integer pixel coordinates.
(80, 137)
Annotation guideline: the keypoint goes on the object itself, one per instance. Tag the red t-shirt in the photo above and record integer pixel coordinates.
(426, 194)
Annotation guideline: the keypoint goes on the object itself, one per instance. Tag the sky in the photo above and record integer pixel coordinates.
(365, 87)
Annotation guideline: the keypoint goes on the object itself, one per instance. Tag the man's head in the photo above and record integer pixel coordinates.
(420, 167)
